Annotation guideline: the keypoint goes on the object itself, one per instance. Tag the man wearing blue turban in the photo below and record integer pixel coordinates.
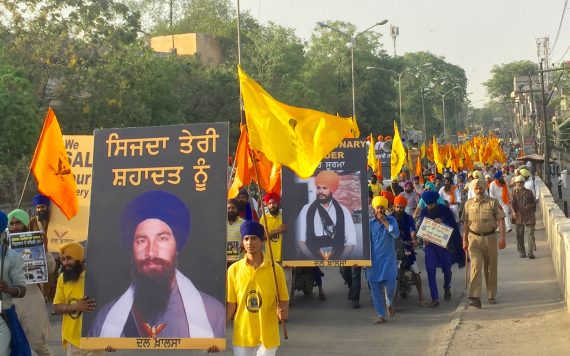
(161, 301)
(437, 256)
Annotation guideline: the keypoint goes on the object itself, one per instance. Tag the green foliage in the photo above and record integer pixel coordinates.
(19, 117)
(500, 86)
(91, 62)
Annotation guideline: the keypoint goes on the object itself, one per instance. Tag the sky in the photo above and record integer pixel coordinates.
(475, 35)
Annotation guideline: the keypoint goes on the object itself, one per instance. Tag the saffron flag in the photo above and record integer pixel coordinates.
(398, 156)
(294, 137)
(266, 174)
(51, 168)
(419, 172)
(437, 157)
(371, 154)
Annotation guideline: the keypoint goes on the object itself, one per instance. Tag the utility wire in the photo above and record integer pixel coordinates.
(564, 55)
(559, 28)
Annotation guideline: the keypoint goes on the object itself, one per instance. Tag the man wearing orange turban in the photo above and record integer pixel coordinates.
(325, 229)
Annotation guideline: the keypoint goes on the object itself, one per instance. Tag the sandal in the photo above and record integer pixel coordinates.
(380, 320)
(391, 311)
(433, 304)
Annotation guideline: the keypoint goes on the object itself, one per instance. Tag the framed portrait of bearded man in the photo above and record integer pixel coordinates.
(328, 211)
(157, 222)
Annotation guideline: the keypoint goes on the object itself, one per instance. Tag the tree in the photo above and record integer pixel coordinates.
(500, 86)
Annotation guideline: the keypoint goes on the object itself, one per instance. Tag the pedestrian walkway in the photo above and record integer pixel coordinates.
(530, 317)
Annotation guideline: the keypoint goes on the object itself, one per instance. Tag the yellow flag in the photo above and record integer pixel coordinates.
(398, 156)
(423, 151)
(294, 137)
(436, 156)
(371, 154)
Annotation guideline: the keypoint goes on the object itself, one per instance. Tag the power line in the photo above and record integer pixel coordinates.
(564, 55)
(559, 27)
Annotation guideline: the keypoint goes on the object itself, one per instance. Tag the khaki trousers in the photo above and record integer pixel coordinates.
(483, 252)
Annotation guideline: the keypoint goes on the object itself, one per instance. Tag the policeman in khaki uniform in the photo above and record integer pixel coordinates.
(481, 216)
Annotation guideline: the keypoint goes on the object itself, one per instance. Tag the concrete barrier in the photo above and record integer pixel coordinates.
(557, 228)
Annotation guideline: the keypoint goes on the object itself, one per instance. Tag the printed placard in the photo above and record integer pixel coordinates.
(435, 232)
(30, 245)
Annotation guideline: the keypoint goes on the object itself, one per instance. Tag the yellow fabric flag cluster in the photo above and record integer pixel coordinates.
(483, 149)
(294, 137)
(51, 168)
(398, 156)
(436, 156)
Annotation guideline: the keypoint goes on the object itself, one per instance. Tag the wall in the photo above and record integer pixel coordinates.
(189, 44)
(557, 228)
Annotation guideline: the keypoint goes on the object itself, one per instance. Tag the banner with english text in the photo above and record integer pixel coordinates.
(61, 231)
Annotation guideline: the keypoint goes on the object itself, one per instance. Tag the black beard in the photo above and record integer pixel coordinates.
(43, 215)
(152, 292)
(232, 216)
(274, 211)
(72, 273)
(324, 200)
(398, 214)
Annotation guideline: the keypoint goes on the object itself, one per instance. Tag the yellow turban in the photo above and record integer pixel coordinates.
(73, 249)
(519, 179)
(477, 175)
(524, 172)
(380, 201)
(329, 179)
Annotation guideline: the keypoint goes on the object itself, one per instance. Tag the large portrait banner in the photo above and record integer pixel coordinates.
(60, 230)
(327, 214)
(157, 223)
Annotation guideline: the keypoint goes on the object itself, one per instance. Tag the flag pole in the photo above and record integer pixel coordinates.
(285, 335)
(24, 189)
(242, 117)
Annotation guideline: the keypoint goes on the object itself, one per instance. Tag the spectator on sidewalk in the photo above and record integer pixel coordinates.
(524, 206)
(562, 177)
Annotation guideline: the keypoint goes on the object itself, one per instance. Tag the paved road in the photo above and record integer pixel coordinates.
(530, 318)
(332, 327)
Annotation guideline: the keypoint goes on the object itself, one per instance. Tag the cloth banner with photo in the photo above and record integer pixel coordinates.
(157, 222)
(331, 227)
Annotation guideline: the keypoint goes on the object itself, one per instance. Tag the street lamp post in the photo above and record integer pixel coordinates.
(443, 107)
(399, 85)
(352, 41)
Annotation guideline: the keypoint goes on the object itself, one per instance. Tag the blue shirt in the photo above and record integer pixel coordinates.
(383, 250)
